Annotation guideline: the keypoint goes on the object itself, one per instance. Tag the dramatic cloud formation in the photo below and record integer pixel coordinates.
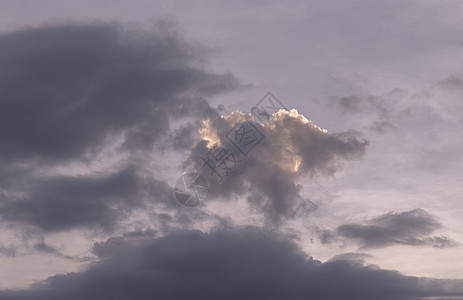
(407, 228)
(98, 120)
(237, 264)
(293, 147)
(68, 91)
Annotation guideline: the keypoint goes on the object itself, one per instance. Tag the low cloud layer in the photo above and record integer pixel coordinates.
(234, 264)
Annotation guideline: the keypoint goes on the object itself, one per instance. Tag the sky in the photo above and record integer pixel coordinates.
(351, 191)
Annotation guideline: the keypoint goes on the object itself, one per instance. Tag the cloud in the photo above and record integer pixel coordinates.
(350, 104)
(64, 202)
(69, 92)
(293, 148)
(410, 228)
(68, 89)
(451, 83)
(226, 264)
(377, 113)
(43, 247)
(9, 251)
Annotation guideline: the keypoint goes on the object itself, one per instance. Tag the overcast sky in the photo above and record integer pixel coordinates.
(352, 192)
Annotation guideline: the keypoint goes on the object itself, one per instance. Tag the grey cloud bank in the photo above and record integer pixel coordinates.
(226, 264)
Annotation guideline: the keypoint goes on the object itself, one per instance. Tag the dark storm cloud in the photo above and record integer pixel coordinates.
(271, 176)
(240, 264)
(406, 228)
(67, 89)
